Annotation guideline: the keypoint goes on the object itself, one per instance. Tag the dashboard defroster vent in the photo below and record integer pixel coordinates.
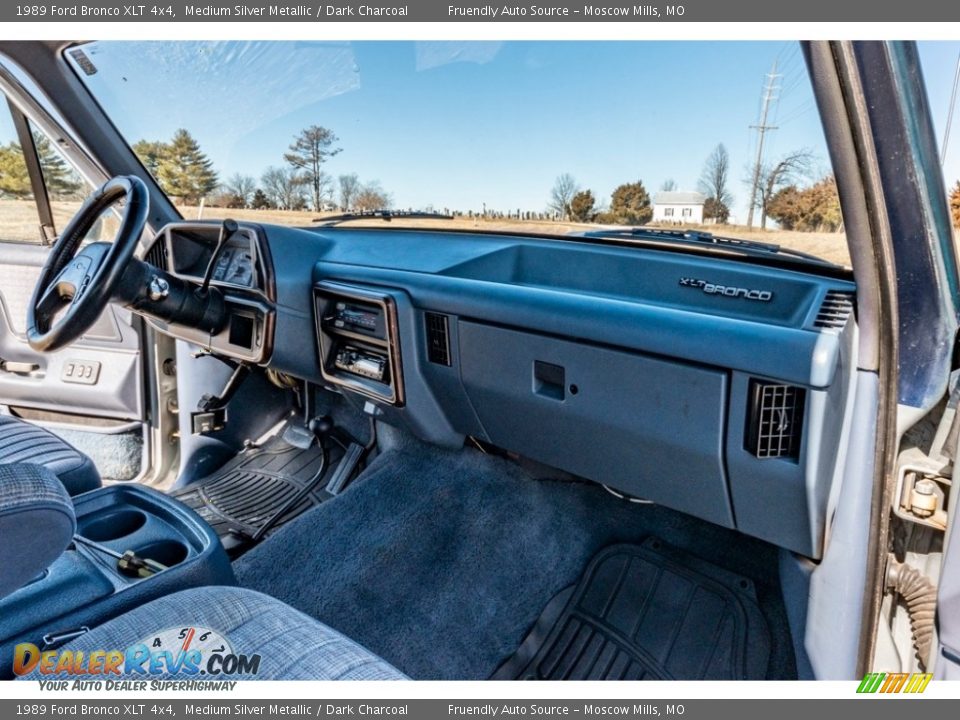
(157, 254)
(835, 309)
(775, 422)
(438, 338)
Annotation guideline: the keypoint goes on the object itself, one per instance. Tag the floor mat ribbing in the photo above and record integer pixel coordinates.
(647, 612)
(250, 489)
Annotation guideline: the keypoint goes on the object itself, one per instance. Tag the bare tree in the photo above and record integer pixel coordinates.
(308, 152)
(371, 197)
(240, 188)
(715, 182)
(773, 177)
(562, 193)
(349, 186)
(668, 185)
(283, 187)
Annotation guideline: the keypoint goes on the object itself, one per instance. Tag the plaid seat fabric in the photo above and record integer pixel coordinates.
(291, 645)
(37, 523)
(24, 442)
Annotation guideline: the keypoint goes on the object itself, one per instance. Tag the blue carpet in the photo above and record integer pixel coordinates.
(440, 561)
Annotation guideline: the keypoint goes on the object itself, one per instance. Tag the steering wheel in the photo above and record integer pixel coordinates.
(81, 284)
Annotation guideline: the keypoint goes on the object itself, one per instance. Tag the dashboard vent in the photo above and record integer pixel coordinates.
(157, 255)
(438, 338)
(835, 309)
(775, 422)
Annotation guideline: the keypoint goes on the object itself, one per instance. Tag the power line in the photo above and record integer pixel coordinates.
(798, 112)
(762, 129)
(953, 104)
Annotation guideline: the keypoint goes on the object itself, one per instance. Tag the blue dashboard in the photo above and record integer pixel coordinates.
(708, 383)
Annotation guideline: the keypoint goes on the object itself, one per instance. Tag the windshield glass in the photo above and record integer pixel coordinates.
(540, 137)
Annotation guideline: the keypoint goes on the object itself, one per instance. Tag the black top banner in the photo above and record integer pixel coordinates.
(458, 11)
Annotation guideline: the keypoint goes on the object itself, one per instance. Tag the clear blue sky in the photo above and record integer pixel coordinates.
(461, 124)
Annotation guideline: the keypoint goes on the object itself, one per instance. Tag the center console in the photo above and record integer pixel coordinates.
(88, 584)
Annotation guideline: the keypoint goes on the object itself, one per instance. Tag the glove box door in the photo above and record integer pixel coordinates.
(648, 426)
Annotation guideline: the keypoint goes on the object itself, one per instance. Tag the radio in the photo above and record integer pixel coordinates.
(361, 362)
(348, 316)
(358, 342)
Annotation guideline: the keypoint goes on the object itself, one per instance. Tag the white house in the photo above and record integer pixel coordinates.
(682, 208)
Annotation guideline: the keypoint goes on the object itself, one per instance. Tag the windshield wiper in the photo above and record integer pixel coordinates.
(385, 215)
(698, 237)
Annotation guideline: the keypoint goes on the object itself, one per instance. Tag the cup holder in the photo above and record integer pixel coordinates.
(111, 525)
(166, 552)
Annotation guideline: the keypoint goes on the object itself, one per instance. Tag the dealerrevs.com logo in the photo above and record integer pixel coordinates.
(180, 652)
(888, 683)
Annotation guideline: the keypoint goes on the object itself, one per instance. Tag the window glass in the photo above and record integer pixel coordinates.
(522, 136)
(66, 190)
(19, 219)
(20, 216)
(941, 70)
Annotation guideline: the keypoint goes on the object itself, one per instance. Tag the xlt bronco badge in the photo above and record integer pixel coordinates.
(727, 291)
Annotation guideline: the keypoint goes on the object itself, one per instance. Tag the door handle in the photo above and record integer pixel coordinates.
(18, 368)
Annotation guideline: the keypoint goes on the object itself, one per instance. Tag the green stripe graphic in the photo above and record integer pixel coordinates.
(871, 682)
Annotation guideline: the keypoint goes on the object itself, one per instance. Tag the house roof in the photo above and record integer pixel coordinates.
(679, 198)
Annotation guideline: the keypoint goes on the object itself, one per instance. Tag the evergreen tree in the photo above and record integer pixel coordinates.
(14, 178)
(61, 180)
(812, 209)
(260, 201)
(581, 207)
(184, 170)
(308, 152)
(716, 210)
(630, 204)
(151, 153)
(786, 207)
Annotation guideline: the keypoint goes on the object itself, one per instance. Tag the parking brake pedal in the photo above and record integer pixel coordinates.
(211, 413)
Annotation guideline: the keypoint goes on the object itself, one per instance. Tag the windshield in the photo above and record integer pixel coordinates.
(541, 137)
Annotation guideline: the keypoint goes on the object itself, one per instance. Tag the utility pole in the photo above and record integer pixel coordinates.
(762, 128)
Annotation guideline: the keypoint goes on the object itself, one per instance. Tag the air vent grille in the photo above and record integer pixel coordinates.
(438, 338)
(835, 310)
(157, 255)
(776, 420)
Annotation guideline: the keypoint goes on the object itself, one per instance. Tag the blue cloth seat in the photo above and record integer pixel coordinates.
(292, 646)
(37, 523)
(24, 442)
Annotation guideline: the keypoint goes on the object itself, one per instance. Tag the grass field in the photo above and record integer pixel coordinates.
(829, 246)
(18, 223)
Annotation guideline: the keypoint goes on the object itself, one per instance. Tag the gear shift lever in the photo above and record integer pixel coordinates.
(227, 229)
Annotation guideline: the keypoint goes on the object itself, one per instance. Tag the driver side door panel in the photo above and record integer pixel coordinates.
(96, 383)
(99, 376)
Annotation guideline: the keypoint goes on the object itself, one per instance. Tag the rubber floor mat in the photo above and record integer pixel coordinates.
(249, 490)
(647, 612)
